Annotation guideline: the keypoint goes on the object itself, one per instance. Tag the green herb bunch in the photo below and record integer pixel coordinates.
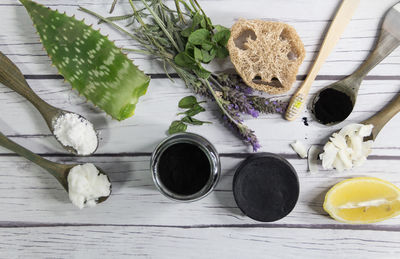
(184, 39)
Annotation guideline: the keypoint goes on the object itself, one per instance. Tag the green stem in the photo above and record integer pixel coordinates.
(115, 26)
(162, 25)
(113, 6)
(140, 51)
(143, 24)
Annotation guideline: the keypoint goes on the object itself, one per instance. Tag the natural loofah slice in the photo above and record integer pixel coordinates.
(91, 63)
(267, 55)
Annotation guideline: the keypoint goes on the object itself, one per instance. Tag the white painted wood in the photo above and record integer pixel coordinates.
(310, 20)
(37, 219)
(29, 194)
(158, 107)
(161, 242)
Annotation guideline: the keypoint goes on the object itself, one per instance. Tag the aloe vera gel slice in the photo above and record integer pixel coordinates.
(89, 61)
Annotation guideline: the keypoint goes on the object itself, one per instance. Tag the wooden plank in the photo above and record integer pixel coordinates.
(158, 108)
(20, 42)
(161, 242)
(28, 195)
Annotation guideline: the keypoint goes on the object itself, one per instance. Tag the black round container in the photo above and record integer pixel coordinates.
(266, 187)
(203, 185)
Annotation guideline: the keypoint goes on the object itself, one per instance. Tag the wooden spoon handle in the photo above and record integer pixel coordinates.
(40, 161)
(12, 77)
(386, 44)
(380, 119)
(342, 18)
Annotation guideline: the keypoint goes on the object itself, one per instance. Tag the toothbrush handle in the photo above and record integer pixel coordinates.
(340, 22)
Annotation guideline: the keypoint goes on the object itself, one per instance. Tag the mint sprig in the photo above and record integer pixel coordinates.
(193, 108)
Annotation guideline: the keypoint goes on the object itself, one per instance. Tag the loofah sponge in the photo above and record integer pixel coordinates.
(267, 55)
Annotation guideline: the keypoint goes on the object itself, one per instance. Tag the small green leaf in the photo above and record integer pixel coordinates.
(207, 45)
(197, 18)
(187, 102)
(196, 109)
(220, 27)
(176, 127)
(186, 32)
(222, 52)
(199, 36)
(202, 72)
(206, 56)
(193, 121)
(203, 23)
(198, 56)
(222, 37)
(184, 60)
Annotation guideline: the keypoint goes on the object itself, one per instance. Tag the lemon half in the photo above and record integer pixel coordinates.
(363, 200)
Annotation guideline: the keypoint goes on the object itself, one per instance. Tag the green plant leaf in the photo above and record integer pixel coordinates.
(207, 57)
(203, 24)
(202, 72)
(193, 121)
(187, 102)
(89, 61)
(176, 127)
(198, 56)
(196, 109)
(199, 36)
(207, 45)
(186, 32)
(184, 60)
(220, 27)
(222, 52)
(197, 18)
(222, 36)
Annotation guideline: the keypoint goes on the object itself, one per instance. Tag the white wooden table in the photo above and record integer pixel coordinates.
(37, 219)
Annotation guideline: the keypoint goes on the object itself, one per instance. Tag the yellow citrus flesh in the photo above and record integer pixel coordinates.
(363, 200)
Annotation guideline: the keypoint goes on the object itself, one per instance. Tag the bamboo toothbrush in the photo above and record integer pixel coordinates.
(338, 25)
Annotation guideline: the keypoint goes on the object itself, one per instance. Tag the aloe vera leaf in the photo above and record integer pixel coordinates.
(91, 63)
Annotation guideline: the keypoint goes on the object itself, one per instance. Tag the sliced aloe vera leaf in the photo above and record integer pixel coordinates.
(89, 61)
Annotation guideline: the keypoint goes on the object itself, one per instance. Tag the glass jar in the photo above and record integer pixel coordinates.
(205, 146)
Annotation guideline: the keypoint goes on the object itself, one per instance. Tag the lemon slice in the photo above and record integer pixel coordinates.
(363, 200)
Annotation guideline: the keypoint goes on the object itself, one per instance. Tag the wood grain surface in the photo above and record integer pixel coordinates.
(38, 221)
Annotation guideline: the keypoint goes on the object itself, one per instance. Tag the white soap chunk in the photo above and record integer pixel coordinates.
(312, 160)
(299, 148)
(329, 155)
(74, 131)
(365, 130)
(86, 185)
(347, 149)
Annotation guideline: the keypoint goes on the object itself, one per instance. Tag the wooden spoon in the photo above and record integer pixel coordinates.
(12, 77)
(59, 171)
(380, 119)
(389, 40)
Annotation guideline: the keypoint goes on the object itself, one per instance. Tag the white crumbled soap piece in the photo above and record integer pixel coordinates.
(350, 129)
(329, 155)
(86, 185)
(365, 130)
(338, 140)
(356, 145)
(312, 160)
(74, 131)
(338, 164)
(299, 148)
(347, 149)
